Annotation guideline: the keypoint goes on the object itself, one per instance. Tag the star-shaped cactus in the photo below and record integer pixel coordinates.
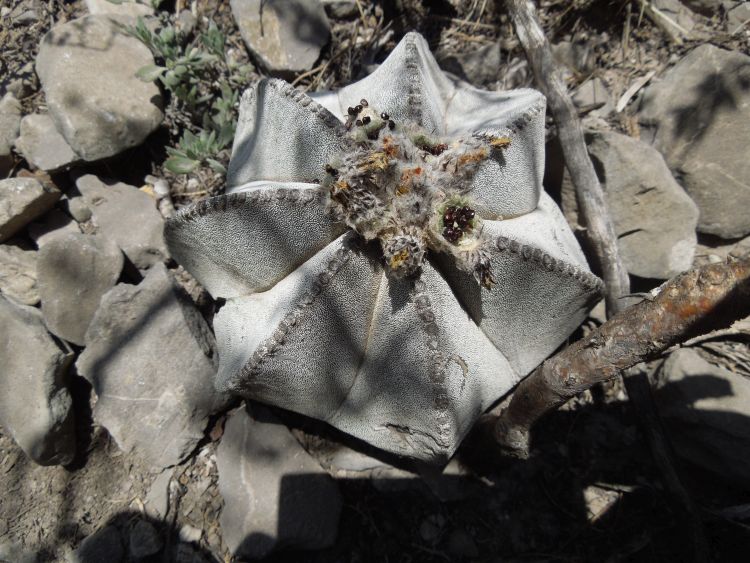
(388, 259)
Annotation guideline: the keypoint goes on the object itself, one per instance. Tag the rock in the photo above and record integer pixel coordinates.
(10, 123)
(128, 216)
(697, 116)
(576, 56)
(738, 16)
(144, 540)
(654, 218)
(286, 36)
(87, 68)
(479, 67)
(190, 534)
(707, 413)
(102, 545)
(151, 359)
(21, 201)
(157, 500)
(131, 8)
(274, 493)
(74, 272)
(341, 9)
(677, 12)
(35, 406)
(705, 7)
(54, 224)
(77, 207)
(594, 93)
(18, 273)
(42, 145)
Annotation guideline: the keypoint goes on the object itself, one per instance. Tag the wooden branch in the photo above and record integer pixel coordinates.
(693, 303)
(600, 231)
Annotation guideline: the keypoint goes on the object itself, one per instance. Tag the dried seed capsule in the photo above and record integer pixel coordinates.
(364, 103)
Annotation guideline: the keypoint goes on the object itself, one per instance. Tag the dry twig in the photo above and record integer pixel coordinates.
(601, 233)
(692, 303)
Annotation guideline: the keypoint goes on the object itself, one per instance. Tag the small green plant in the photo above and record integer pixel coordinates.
(204, 85)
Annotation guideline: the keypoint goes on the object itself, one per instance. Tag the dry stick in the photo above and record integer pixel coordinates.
(600, 232)
(512, 429)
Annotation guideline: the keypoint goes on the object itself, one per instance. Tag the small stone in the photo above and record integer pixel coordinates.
(190, 534)
(479, 67)
(102, 545)
(87, 68)
(54, 224)
(274, 492)
(576, 56)
(677, 12)
(594, 93)
(35, 406)
(697, 116)
(739, 16)
(461, 544)
(144, 540)
(21, 201)
(129, 217)
(286, 36)
(156, 408)
(654, 218)
(42, 145)
(599, 501)
(157, 500)
(706, 410)
(18, 273)
(129, 8)
(77, 207)
(341, 9)
(74, 272)
(10, 123)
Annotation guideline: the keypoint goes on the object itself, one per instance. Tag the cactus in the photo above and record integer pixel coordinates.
(389, 261)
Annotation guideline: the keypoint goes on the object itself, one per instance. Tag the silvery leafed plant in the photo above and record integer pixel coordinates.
(388, 259)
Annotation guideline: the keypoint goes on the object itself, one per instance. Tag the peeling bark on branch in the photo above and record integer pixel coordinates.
(695, 302)
(600, 231)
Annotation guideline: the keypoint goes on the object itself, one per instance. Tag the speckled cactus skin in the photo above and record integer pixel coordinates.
(314, 320)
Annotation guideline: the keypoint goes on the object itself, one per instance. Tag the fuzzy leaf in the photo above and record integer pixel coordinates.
(180, 165)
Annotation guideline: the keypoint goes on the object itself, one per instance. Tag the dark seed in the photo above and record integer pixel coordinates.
(358, 109)
(366, 119)
(358, 123)
(391, 124)
(351, 110)
(384, 116)
(364, 103)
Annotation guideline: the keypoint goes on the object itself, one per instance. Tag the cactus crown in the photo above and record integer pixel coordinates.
(408, 189)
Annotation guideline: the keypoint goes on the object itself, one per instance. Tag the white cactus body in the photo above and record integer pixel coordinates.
(356, 287)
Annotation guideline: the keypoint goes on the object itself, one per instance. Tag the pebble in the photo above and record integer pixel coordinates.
(21, 201)
(42, 145)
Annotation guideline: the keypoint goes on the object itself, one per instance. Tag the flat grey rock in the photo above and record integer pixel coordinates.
(128, 216)
(74, 272)
(275, 494)
(10, 123)
(103, 545)
(479, 66)
(35, 406)
(18, 278)
(42, 144)
(676, 11)
(285, 36)
(151, 359)
(76, 205)
(738, 16)
(654, 219)
(21, 201)
(53, 224)
(129, 8)
(87, 68)
(593, 93)
(706, 409)
(697, 116)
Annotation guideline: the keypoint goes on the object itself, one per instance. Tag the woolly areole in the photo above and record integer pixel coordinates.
(389, 261)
